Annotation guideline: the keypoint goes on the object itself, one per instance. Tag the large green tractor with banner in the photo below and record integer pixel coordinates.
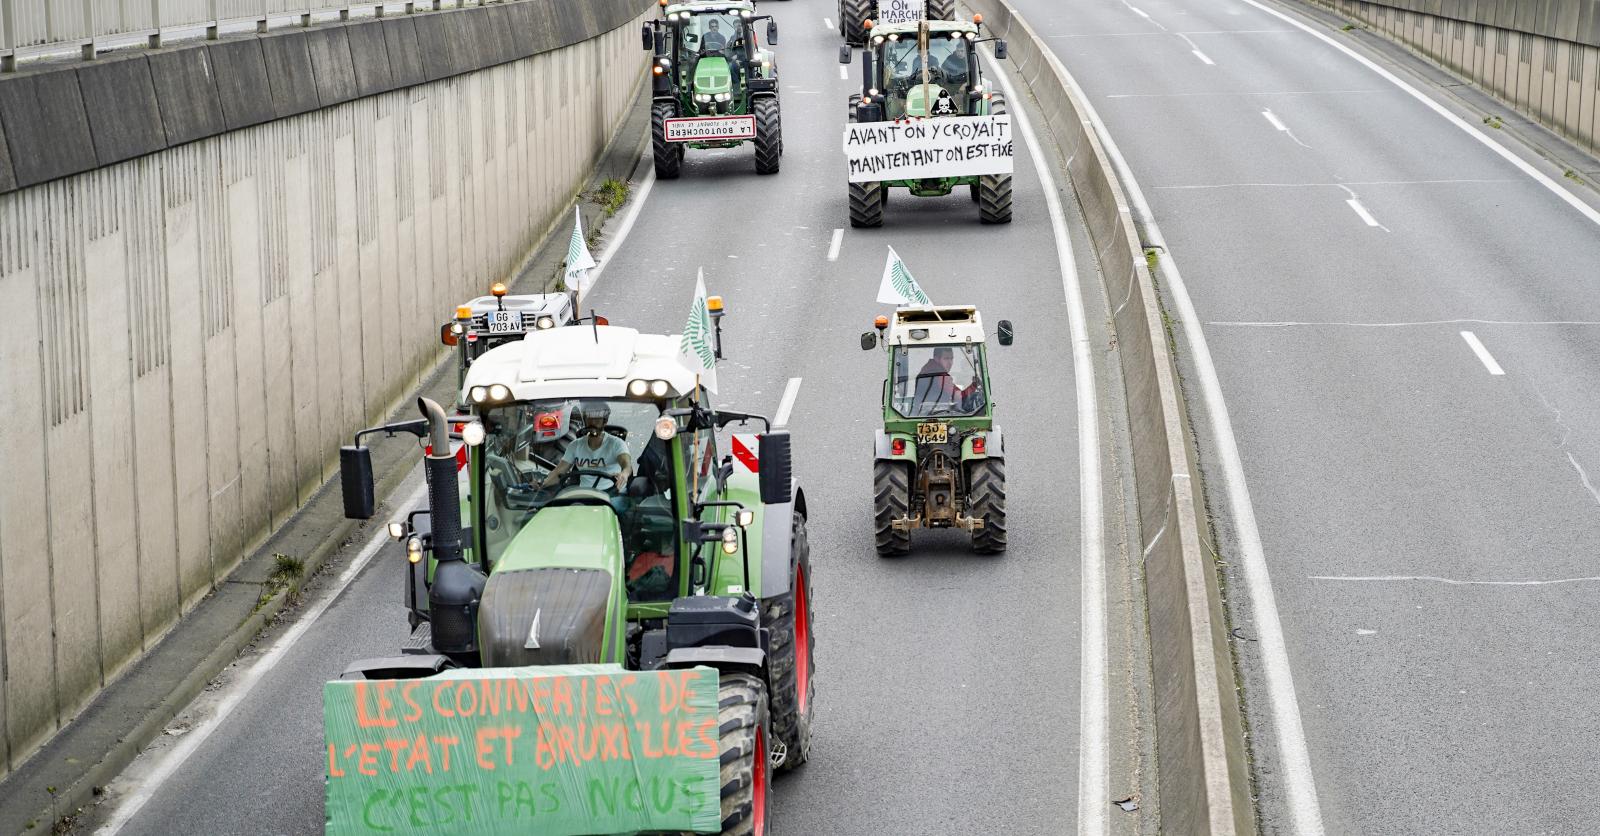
(855, 14)
(939, 461)
(713, 86)
(930, 70)
(612, 637)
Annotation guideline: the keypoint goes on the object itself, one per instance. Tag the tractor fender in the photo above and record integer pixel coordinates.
(995, 443)
(883, 449)
(742, 659)
(777, 558)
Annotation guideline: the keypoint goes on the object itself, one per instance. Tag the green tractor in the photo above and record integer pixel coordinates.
(713, 86)
(928, 69)
(940, 458)
(855, 14)
(656, 542)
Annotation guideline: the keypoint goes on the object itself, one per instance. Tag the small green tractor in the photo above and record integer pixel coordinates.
(713, 87)
(854, 14)
(928, 69)
(683, 549)
(940, 458)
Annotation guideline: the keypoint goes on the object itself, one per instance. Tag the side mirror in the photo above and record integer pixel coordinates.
(1000, 51)
(772, 31)
(869, 341)
(777, 468)
(447, 336)
(1007, 336)
(649, 37)
(844, 54)
(355, 482)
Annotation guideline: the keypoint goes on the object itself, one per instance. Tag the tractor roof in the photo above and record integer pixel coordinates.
(711, 6)
(936, 325)
(581, 361)
(936, 27)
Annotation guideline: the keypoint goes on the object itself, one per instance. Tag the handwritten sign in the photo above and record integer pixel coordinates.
(560, 750)
(957, 146)
(710, 128)
(899, 11)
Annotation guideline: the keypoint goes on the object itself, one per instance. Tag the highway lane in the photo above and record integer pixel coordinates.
(1337, 238)
(947, 683)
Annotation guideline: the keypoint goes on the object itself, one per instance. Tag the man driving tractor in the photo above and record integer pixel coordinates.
(934, 384)
(595, 449)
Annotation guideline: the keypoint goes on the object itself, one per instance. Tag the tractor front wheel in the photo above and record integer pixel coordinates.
(941, 9)
(891, 500)
(668, 155)
(852, 15)
(866, 204)
(986, 499)
(769, 135)
(746, 768)
(790, 652)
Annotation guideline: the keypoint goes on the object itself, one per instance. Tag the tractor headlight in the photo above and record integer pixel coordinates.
(744, 13)
(972, 36)
(473, 433)
(702, 97)
(397, 530)
(873, 92)
(638, 388)
(499, 392)
(544, 323)
(457, 328)
(660, 388)
(730, 540)
(877, 40)
(722, 97)
(666, 428)
(414, 549)
(745, 517)
(478, 394)
(894, 37)
(666, 62)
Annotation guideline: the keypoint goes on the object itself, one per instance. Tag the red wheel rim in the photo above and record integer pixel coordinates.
(760, 801)
(802, 639)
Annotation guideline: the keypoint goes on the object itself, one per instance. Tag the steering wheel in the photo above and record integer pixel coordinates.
(571, 477)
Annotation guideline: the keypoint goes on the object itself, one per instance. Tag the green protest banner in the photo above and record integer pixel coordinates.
(558, 750)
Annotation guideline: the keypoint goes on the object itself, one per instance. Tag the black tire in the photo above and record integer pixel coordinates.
(941, 9)
(891, 499)
(972, 191)
(769, 134)
(851, 15)
(994, 190)
(668, 155)
(744, 730)
(790, 653)
(866, 204)
(986, 498)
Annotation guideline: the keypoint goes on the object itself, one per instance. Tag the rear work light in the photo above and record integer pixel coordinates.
(980, 444)
(898, 446)
(549, 421)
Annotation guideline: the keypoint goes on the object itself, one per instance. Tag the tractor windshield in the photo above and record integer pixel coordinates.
(577, 451)
(948, 77)
(938, 381)
(713, 33)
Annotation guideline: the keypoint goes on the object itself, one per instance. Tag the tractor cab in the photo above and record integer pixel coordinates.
(490, 321)
(922, 69)
(940, 455)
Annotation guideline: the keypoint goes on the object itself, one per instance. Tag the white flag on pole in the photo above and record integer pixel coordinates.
(579, 261)
(897, 287)
(697, 352)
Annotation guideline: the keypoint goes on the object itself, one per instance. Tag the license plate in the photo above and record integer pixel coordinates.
(505, 322)
(933, 433)
(710, 128)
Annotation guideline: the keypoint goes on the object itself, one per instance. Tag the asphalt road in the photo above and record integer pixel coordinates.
(946, 682)
(1337, 237)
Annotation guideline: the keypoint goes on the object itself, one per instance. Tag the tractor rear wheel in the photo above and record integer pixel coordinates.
(790, 652)
(742, 720)
(668, 155)
(994, 190)
(769, 134)
(852, 13)
(986, 498)
(866, 204)
(891, 500)
(941, 9)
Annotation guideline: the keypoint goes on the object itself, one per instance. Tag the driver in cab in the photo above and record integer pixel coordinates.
(595, 449)
(934, 385)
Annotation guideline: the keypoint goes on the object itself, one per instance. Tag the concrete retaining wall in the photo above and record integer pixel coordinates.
(1203, 775)
(1540, 57)
(189, 334)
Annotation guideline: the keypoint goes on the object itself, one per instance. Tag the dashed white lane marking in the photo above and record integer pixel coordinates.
(1483, 353)
(827, 24)
(1298, 782)
(1450, 581)
(1289, 323)
(1195, 48)
(1366, 217)
(1140, 12)
(1276, 122)
(168, 762)
(844, 72)
(786, 404)
(1093, 690)
(833, 246)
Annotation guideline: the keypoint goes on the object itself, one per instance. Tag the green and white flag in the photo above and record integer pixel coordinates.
(697, 352)
(579, 261)
(898, 288)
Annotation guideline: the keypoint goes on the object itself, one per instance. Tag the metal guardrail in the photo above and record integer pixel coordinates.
(43, 27)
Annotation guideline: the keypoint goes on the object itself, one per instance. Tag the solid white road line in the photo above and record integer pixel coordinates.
(833, 246)
(1355, 205)
(1483, 353)
(844, 72)
(1450, 581)
(1093, 731)
(1202, 56)
(169, 761)
(1522, 165)
(1300, 788)
(635, 203)
(1276, 122)
(786, 405)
